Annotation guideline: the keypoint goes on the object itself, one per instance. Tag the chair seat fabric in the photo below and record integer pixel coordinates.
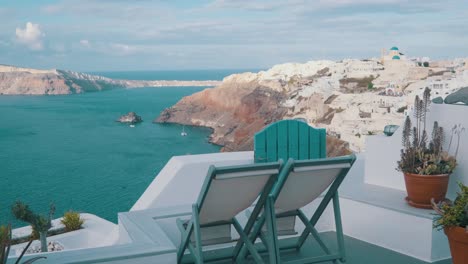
(223, 201)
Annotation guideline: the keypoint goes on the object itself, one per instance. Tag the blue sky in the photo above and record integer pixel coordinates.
(94, 35)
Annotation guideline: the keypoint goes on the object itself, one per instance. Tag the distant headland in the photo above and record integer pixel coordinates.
(26, 81)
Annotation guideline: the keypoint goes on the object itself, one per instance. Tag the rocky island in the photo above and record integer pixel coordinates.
(351, 98)
(26, 81)
(130, 118)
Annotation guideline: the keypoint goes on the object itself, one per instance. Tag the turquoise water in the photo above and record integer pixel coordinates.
(185, 75)
(69, 150)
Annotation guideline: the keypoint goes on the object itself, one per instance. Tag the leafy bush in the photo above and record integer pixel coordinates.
(72, 221)
(453, 214)
(426, 64)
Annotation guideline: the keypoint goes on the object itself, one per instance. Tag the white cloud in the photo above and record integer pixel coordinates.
(85, 43)
(31, 36)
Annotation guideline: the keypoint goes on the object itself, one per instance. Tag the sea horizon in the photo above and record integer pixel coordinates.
(176, 75)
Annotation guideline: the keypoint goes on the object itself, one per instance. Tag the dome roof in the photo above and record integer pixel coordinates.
(394, 48)
(395, 57)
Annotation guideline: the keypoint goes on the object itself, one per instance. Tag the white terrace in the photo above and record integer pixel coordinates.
(372, 206)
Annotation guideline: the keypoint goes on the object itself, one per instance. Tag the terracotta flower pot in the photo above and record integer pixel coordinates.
(421, 188)
(458, 240)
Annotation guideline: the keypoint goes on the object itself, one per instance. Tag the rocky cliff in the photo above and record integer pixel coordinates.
(349, 98)
(17, 81)
(235, 110)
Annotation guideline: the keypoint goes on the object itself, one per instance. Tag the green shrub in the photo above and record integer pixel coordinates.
(426, 64)
(453, 214)
(72, 221)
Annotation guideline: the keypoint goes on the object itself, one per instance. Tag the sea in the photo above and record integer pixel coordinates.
(70, 151)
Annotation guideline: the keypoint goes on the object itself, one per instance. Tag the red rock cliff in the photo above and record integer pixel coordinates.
(235, 111)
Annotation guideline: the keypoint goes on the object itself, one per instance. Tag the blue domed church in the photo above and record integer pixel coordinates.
(393, 54)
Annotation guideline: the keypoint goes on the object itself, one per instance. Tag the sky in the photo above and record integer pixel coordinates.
(111, 35)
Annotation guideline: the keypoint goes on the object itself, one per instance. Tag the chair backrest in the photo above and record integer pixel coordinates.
(301, 182)
(228, 191)
(289, 139)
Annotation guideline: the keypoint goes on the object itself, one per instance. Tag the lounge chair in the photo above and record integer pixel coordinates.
(287, 139)
(300, 183)
(226, 192)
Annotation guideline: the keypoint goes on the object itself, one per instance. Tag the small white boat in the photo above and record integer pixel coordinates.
(132, 125)
(183, 133)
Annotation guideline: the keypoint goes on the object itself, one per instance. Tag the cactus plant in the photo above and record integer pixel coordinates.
(40, 223)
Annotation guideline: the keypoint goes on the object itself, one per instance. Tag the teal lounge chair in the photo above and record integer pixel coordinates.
(287, 139)
(300, 183)
(226, 192)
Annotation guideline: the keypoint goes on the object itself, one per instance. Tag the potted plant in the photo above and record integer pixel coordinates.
(453, 218)
(424, 162)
